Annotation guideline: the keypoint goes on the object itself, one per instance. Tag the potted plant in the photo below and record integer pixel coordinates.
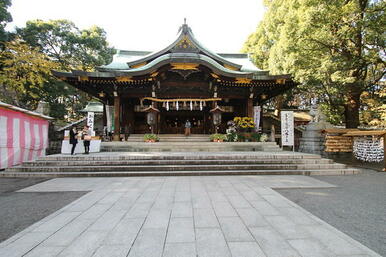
(150, 138)
(218, 137)
(255, 137)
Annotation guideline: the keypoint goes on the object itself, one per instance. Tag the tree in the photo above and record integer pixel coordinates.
(71, 48)
(25, 71)
(5, 17)
(335, 49)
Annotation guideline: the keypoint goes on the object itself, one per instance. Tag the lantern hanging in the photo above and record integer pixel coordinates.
(191, 105)
(167, 105)
(177, 106)
(200, 105)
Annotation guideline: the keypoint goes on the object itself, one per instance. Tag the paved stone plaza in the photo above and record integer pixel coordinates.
(238, 216)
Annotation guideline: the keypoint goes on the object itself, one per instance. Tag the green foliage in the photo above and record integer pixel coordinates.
(335, 49)
(374, 107)
(150, 138)
(5, 17)
(24, 73)
(248, 137)
(218, 137)
(73, 48)
(231, 137)
(70, 48)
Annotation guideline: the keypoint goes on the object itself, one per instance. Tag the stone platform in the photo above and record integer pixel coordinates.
(180, 164)
(181, 217)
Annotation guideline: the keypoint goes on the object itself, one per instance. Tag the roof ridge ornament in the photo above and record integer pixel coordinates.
(184, 28)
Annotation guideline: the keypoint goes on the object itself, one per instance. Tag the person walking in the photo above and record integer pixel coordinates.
(188, 125)
(86, 136)
(73, 139)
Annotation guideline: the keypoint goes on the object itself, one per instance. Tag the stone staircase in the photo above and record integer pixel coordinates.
(179, 164)
(188, 146)
(172, 138)
(181, 143)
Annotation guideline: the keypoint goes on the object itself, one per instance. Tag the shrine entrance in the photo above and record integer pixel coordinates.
(173, 122)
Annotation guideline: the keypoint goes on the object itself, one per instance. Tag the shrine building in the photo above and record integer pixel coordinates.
(158, 91)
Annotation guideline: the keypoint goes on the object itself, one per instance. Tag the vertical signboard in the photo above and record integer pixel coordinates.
(256, 116)
(90, 120)
(287, 128)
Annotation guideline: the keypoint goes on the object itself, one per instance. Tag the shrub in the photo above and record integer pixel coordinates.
(217, 137)
(150, 138)
(231, 137)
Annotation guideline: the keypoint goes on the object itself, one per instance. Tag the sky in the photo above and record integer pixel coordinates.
(150, 25)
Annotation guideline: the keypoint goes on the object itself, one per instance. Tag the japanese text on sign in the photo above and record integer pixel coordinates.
(287, 128)
(90, 120)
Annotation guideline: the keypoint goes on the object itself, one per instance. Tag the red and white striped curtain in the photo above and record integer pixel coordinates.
(22, 137)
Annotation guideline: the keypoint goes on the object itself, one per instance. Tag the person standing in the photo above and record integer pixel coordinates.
(86, 135)
(73, 139)
(188, 125)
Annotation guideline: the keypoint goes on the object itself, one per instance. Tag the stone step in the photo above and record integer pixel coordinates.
(196, 149)
(188, 147)
(172, 140)
(176, 167)
(257, 156)
(347, 171)
(41, 163)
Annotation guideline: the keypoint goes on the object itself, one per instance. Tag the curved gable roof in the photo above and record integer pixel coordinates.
(185, 43)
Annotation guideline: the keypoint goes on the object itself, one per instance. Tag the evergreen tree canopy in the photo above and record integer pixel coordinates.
(335, 49)
(25, 71)
(73, 48)
(5, 17)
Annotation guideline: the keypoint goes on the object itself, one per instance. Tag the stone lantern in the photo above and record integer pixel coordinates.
(216, 115)
(151, 117)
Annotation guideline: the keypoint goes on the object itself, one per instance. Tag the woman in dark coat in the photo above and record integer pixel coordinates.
(73, 139)
(86, 136)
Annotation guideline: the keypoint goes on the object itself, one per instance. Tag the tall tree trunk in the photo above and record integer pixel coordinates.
(352, 109)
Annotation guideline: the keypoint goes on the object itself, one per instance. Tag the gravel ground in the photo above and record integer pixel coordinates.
(357, 207)
(20, 210)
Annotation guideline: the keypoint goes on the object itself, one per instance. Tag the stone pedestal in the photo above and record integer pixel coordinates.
(312, 138)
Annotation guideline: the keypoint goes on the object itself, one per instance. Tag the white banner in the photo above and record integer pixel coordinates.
(90, 120)
(287, 128)
(256, 117)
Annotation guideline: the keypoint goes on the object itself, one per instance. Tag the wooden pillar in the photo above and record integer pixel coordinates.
(250, 108)
(273, 133)
(131, 118)
(104, 117)
(117, 114)
(261, 118)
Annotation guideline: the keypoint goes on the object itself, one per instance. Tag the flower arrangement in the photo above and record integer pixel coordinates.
(240, 130)
(150, 138)
(263, 137)
(244, 123)
(218, 137)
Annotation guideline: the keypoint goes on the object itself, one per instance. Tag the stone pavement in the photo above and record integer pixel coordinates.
(238, 216)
